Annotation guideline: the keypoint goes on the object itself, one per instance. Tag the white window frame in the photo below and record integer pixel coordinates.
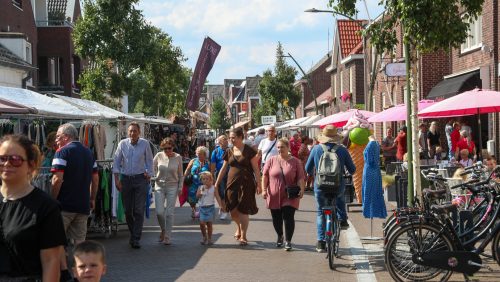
(341, 83)
(351, 79)
(29, 53)
(335, 85)
(18, 4)
(474, 38)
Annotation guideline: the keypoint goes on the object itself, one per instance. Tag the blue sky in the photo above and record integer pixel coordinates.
(248, 31)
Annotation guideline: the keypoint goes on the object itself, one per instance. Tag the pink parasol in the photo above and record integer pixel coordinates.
(340, 119)
(398, 112)
(471, 102)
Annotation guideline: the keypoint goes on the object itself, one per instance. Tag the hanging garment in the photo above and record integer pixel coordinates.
(373, 193)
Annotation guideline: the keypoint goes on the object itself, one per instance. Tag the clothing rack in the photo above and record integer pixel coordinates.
(43, 180)
(102, 221)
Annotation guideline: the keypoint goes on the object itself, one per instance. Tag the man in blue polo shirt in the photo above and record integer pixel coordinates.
(74, 170)
(216, 163)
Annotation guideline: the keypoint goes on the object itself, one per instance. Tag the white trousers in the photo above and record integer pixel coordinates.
(165, 199)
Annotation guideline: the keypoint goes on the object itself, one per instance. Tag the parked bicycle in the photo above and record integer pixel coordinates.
(427, 245)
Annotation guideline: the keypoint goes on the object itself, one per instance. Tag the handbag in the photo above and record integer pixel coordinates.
(292, 191)
(188, 179)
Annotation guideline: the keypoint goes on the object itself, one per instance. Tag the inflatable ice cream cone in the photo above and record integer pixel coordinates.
(358, 130)
(356, 152)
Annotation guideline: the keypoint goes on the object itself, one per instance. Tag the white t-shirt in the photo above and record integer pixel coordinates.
(265, 145)
(207, 196)
(466, 163)
(258, 139)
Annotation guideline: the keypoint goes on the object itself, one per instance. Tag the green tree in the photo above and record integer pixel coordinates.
(128, 56)
(219, 119)
(277, 91)
(429, 25)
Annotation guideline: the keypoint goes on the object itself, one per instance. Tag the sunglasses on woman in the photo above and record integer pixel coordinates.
(167, 148)
(15, 160)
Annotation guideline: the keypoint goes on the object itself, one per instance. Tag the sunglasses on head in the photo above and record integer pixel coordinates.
(14, 160)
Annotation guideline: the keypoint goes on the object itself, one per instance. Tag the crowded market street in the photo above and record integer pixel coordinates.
(187, 260)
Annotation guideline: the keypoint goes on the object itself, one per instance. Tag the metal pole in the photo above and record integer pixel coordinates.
(309, 84)
(409, 127)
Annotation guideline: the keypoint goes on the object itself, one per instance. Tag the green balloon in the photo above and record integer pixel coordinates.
(359, 136)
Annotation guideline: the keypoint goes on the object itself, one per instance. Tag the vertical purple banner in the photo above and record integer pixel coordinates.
(209, 51)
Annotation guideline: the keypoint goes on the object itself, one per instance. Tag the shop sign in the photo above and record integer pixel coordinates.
(395, 69)
(268, 119)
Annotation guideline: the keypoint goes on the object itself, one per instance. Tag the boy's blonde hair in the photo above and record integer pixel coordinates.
(206, 173)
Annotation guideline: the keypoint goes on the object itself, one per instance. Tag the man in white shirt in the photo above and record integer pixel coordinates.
(267, 147)
(260, 136)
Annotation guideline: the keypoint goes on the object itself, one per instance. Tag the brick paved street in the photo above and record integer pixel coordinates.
(187, 260)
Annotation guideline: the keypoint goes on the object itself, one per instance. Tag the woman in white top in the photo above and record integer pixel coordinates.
(169, 178)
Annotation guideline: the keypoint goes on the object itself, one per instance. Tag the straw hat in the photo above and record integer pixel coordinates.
(329, 134)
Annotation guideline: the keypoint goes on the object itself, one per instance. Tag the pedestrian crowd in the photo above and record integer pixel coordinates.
(232, 177)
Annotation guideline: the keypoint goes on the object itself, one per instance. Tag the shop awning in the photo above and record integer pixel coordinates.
(291, 124)
(454, 85)
(8, 107)
(240, 124)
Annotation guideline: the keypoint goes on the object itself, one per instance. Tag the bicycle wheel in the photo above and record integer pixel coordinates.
(412, 239)
(330, 248)
(336, 236)
(495, 246)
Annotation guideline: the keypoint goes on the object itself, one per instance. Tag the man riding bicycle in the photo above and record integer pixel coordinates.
(329, 138)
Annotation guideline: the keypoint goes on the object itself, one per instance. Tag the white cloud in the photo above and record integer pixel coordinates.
(214, 16)
(247, 30)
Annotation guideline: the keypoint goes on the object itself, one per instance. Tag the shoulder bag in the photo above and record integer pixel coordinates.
(265, 158)
(292, 191)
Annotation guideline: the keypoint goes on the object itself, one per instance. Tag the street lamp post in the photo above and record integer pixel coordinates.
(309, 84)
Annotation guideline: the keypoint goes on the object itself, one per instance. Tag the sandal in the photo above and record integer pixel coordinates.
(243, 242)
(237, 236)
(210, 242)
(203, 241)
(162, 237)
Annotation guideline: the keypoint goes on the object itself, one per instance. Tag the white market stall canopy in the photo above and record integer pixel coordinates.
(309, 121)
(255, 130)
(45, 106)
(291, 124)
(94, 107)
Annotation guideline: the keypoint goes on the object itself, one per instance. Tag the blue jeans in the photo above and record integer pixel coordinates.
(323, 201)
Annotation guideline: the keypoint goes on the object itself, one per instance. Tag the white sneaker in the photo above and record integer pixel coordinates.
(223, 215)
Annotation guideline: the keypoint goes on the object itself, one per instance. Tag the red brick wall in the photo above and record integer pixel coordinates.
(320, 81)
(22, 20)
(57, 42)
(433, 67)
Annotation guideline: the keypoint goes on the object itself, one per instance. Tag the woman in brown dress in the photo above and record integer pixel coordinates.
(243, 183)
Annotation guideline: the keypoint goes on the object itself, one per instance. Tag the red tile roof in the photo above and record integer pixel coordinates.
(349, 37)
(325, 96)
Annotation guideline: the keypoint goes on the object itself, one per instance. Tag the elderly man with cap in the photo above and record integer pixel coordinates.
(330, 138)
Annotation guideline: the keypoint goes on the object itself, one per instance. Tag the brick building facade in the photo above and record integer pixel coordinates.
(475, 64)
(47, 26)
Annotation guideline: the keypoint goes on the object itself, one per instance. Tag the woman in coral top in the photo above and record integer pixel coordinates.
(281, 171)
